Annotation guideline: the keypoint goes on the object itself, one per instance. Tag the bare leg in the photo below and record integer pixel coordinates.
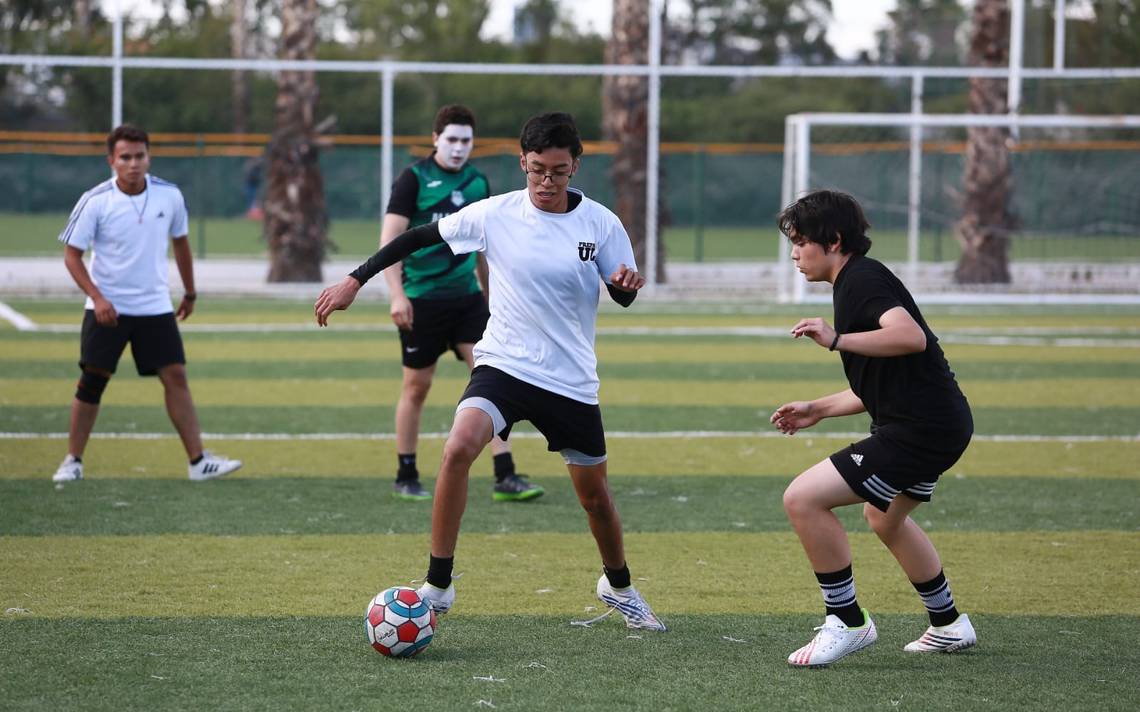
(413, 393)
(910, 545)
(498, 445)
(594, 493)
(808, 502)
(180, 408)
(470, 433)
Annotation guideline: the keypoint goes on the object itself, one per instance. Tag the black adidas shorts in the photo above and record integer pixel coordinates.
(155, 342)
(442, 324)
(895, 460)
(567, 424)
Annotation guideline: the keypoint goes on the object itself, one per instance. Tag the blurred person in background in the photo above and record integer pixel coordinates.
(127, 222)
(438, 300)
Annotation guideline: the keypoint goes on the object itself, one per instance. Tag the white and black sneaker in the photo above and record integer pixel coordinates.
(212, 466)
(440, 599)
(70, 470)
(951, 638)
(629, 603)
(834, 640)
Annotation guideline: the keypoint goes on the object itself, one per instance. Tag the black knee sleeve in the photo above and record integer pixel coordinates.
(91, 386)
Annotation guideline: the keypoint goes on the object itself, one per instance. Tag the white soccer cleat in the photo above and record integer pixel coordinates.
(212, 466)
(834, 641)
(440, 599)
(70, 470)
(629, 603)
(951, 638)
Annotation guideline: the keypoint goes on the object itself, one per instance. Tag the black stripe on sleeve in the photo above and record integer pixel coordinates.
(408, 242)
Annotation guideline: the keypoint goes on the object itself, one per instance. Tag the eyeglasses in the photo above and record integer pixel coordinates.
(556, 177)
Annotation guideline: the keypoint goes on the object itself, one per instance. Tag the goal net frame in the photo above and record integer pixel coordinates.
(797, 168)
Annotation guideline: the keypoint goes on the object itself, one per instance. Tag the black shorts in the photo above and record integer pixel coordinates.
(155, 342)
(571, 427)
(442, 324)
(896, 461)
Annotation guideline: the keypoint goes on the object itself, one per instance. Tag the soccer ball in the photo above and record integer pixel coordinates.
(398, 623)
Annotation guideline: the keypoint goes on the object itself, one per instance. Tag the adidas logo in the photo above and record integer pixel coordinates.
(857, 458)
(210, 468)
(161, 214)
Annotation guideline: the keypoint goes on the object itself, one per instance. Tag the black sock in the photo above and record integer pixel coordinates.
(406, 469)
(439, 571)
(618, 578)
(77, 459)
(504, 466)
(938, 600)
(195, 461)
(838, 588)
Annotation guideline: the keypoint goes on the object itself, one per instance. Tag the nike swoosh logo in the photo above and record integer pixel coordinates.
(434, 183)
(412, 349)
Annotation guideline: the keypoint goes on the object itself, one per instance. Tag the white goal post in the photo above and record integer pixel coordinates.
(798, 155)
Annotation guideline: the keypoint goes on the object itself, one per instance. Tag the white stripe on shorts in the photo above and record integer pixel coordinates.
(880, 489)
(922, 488)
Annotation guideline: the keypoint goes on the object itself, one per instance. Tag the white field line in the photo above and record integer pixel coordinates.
(626, 435)
(982, 336)
(17, 319)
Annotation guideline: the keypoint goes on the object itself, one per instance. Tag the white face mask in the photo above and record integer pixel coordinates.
(453, 145)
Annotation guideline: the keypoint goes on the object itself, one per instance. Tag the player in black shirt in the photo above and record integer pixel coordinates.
(920, 426)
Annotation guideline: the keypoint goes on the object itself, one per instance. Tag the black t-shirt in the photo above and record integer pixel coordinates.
(912, 394)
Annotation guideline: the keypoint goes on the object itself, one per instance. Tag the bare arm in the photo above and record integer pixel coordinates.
(483, 274)
(898, 335)
(798, 415)
(623, 285)
(105, 312)
(400, 308)
(184, 260)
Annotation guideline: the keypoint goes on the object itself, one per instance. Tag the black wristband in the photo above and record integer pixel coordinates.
(834, 342)
(190, 296)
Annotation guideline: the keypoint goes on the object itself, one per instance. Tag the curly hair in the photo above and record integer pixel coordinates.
(826, 217)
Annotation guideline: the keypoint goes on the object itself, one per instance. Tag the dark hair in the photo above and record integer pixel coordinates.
(553, 130)
(453, 114)
(826, 217)
(126, 132)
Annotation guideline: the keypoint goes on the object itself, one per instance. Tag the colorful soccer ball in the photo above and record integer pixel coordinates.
(398, 623)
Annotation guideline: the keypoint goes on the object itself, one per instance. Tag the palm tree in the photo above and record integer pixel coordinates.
(240, 90)
(625, 101)
(296, 218)
(987, 218)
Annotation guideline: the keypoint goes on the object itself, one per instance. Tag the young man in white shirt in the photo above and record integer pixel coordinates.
(127, 222)
(547, 246)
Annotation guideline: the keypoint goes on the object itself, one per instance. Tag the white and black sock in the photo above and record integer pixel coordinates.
(838, 589)
(939, 602)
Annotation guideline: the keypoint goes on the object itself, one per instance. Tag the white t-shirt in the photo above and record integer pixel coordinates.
(544, 270)
(128, 236)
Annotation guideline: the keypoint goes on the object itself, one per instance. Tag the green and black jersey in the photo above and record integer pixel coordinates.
(424, 193)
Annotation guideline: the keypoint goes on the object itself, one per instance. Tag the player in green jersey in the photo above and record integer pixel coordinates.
(436, 298)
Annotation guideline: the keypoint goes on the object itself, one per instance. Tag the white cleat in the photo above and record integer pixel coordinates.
(834, 641)
(629, 603)
(212, 466)
(951, 638)
(440, 599)
(70, 470)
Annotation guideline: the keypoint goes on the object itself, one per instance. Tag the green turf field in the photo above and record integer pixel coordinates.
(137, 589)
(27, 235)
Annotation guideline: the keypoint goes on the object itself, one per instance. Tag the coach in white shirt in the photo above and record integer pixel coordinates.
(126, 222)
(546, 246)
